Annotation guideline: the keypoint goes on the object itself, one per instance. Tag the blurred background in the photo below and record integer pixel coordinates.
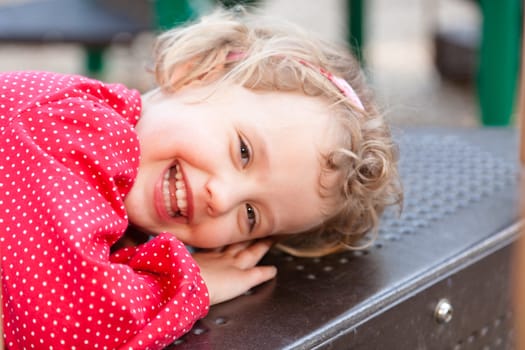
(399, 52)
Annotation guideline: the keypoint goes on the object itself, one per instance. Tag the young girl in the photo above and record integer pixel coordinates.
(254, 131)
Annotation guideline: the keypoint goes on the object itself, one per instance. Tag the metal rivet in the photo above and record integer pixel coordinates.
(178, 341)
(199, 331)
(443, 311)
(220, 320)
(483, 332)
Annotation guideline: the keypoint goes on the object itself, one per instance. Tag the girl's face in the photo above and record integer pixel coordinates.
(235, 166)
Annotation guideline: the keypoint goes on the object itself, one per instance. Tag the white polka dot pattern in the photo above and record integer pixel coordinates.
(68, 156)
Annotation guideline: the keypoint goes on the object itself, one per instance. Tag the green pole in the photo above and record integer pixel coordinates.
(94, 57)
(356, 23)
(170, 13)
(499, 60)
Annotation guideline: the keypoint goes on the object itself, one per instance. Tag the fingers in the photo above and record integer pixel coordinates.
(251, 255)
(259, 274)
(239, 269)
(236, 248)
(241, 281)
(239, 247)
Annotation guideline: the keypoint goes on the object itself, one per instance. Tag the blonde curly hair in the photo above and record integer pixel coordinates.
(263, 54)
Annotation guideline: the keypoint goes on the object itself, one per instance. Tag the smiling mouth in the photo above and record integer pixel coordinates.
(174, 192)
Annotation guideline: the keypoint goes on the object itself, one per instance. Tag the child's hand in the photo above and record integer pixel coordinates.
(231, 272)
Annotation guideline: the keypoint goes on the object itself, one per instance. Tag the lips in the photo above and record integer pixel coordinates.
(174, 192)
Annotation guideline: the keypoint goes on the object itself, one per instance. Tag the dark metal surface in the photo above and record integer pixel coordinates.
(481, 316)
(460, 216)
(90, 22)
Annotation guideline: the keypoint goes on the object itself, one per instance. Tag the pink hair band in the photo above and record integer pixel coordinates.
(341, 84)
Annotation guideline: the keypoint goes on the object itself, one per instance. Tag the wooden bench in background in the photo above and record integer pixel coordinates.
(91, 23)
(94, 24)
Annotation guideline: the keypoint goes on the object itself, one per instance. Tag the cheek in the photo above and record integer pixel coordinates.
(213, 236)
(196, 148)
(137, 212)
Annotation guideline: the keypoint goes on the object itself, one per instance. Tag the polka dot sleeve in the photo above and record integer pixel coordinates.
(68, 157)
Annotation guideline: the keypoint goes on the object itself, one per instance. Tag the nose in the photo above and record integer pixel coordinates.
(225, 194)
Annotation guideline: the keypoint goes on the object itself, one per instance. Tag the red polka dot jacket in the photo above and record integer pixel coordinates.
(68, 157)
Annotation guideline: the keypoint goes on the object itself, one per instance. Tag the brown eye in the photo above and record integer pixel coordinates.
(251, 216)
(244, 152)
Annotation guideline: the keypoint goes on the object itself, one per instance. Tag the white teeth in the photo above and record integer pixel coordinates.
(180, 192)
(166, 193)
